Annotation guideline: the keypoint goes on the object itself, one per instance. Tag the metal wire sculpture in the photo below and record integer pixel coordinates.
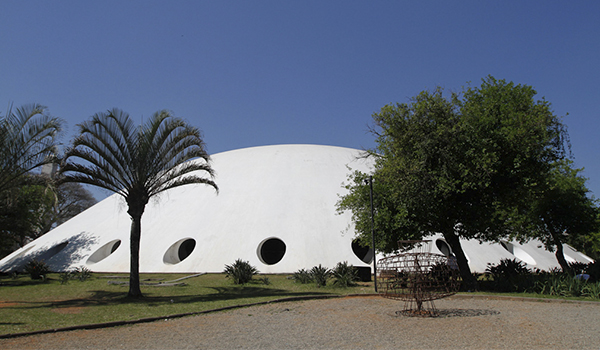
(417, 277)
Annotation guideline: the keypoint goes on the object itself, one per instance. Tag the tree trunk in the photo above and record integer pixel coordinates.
(560, 255)
(469, 281)
(134, 264)
(136, 201)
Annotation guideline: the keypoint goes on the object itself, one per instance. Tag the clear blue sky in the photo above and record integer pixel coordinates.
(252, 73)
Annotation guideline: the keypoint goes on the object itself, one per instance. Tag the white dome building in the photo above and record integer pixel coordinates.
(275, 209)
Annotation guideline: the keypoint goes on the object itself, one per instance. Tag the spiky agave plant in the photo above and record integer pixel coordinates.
(344, 274)
(302, 276)
(320, 275)
(240, 271)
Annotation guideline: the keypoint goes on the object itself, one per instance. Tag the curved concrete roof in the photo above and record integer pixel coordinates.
(275, 209)
(286, 192)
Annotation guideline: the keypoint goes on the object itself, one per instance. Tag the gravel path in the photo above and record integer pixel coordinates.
(352, 323)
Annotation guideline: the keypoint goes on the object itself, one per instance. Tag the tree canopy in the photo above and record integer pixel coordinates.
(463, 165)
(31, 210)
(29, 136)
(28, 140)
(563, 211)
(137, 162)
(22, 214)
(70, 200)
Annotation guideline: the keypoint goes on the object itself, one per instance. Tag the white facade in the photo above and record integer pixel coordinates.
(275, 209)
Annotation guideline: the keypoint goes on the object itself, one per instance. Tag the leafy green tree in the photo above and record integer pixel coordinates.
(588, 244)
(22, 214)
(29, 211)
(71, 199)
(137, 163)
(463, 166)
(28, 140)
(564, 212)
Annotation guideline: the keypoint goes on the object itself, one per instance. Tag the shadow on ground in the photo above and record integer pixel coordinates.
(101, 297)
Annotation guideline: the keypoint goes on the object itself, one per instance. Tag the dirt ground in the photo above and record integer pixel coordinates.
(352, 323)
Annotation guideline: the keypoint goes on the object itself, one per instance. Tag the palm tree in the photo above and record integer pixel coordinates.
(28, 139)
(137, 162)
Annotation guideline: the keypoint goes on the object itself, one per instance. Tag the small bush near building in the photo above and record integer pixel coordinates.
(514, 276)
(265, 280)
(240, 271)
(302, 276)
(344, 275)
(320, 275)
(37, 269)
(81, 273)
(509, 275)
(64, 277)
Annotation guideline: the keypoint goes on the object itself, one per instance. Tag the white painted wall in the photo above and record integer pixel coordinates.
(283, 191)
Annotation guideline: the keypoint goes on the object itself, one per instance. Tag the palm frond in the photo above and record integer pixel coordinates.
(125, 159)
(28, 139)
(104, 152)
(184, 174)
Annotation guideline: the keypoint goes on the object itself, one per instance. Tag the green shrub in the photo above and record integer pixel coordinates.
(510, 276)
(344, 275)
(82, 273)
(562, 284)
(265, 280)
(302, 276)
(514, 276)
(591, 290)
(320, 275)
(37, 269)
(240, 272)
(507, 267)
(65, 277)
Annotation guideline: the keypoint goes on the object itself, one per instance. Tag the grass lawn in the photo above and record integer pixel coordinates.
(27, 305)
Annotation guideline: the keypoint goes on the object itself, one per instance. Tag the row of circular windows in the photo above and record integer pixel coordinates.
(270, 251)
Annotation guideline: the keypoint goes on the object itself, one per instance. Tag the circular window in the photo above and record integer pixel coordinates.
(21, 254)
(577, 253)
(46, 255)
(518, 253)
(271, 251)
(186, 248)
(16, 262)
(443, 247)
(179, 251)
(364, 253)
(104, 251)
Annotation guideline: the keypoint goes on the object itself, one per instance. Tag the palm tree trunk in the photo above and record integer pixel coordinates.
(136, 201)
(134, 266)
(469, 281)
